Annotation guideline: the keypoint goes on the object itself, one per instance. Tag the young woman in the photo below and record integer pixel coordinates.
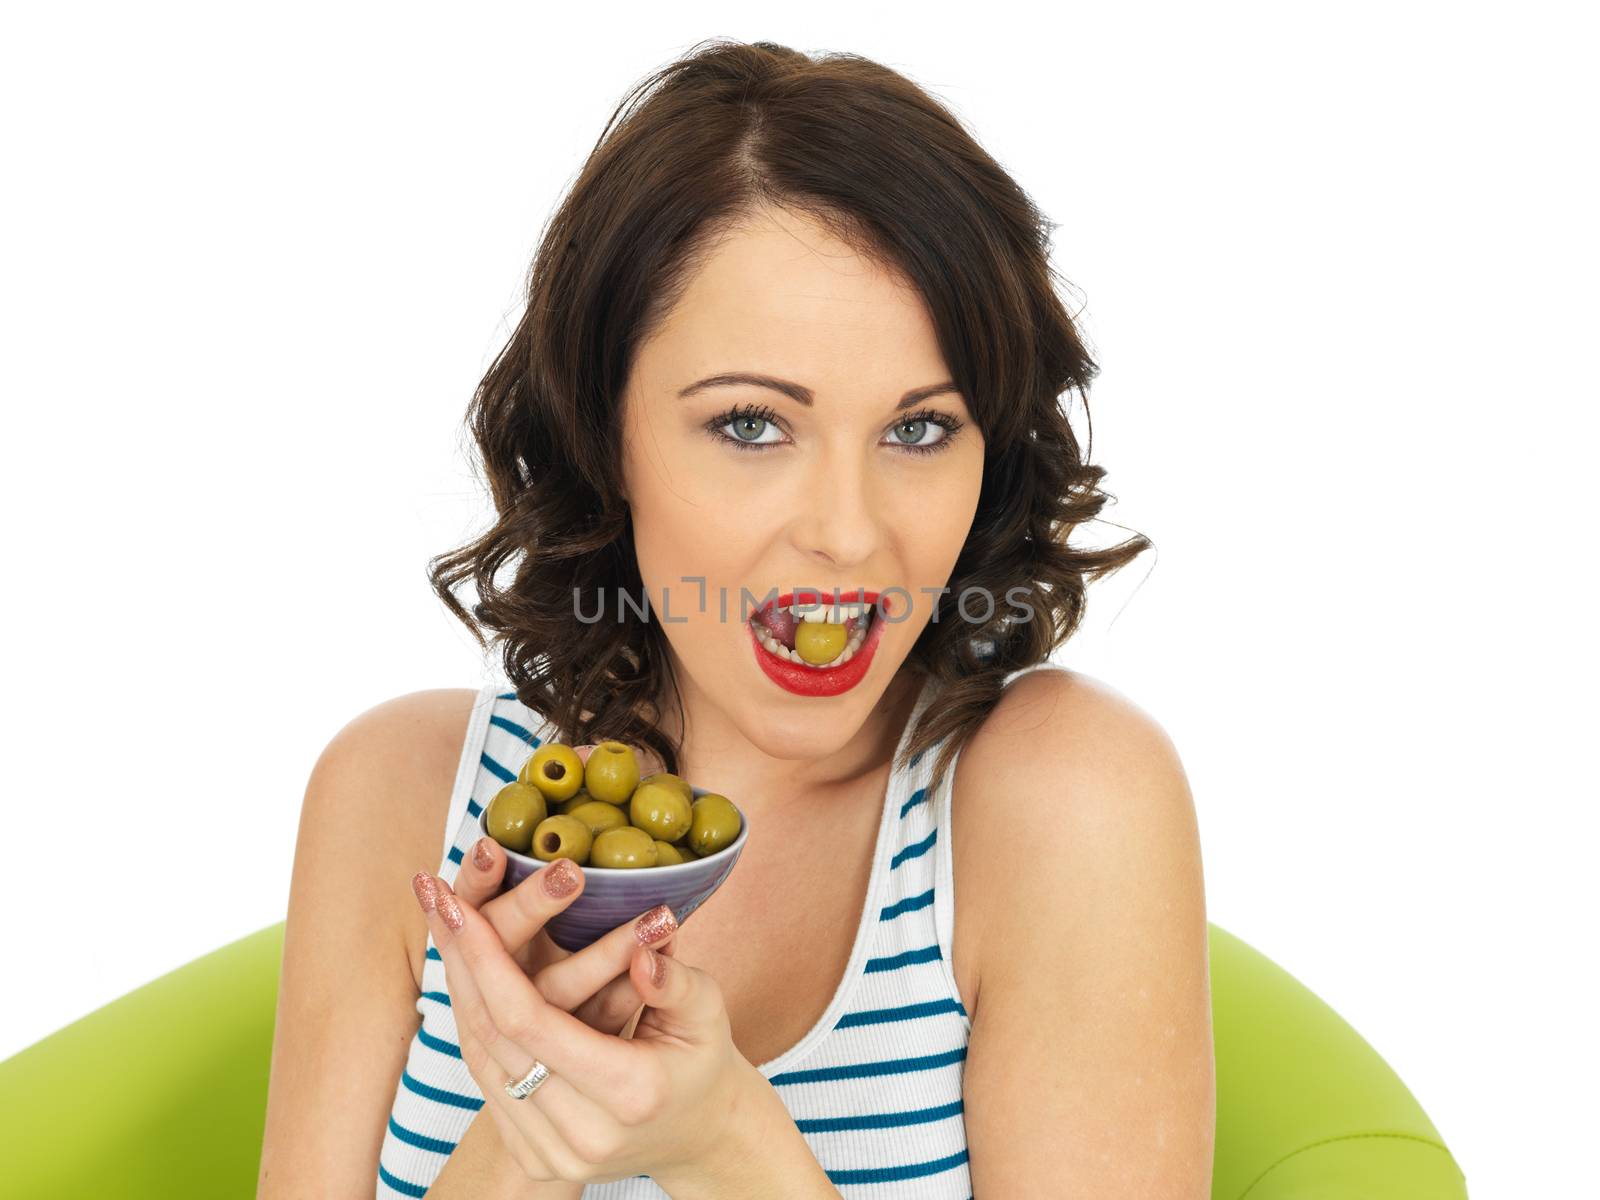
(792, 334)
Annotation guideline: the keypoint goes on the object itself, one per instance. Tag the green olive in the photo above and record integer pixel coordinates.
(562, 836)
(571, 802)
(818, 642)
(513, 814)
(624, 846)
(598, 816)
(668, 855)
(660, 810)
(555, 769)
(611, 773)
(676, 781)
(714, 824)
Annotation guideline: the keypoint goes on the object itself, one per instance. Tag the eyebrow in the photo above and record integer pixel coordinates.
(802, 394)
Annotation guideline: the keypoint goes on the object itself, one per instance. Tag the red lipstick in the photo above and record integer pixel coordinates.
(802, 679)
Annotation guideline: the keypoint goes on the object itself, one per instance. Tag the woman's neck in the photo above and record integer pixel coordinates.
(714, 752)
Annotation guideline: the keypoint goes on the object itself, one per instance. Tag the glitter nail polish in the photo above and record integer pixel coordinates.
(655, 925)
(450, 910)
(482, 856)
(422, 885)
(561, 878)
(658, 969)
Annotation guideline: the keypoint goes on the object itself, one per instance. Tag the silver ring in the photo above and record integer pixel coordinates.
(521, 1089)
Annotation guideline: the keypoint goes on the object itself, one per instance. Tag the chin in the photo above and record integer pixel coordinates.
(817, 741)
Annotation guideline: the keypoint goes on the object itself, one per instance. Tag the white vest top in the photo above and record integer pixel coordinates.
(874, 1086)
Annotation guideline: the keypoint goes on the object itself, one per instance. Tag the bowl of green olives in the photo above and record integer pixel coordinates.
(642, 840)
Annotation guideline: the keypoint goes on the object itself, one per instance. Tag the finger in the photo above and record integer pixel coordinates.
(510, 1017)
(478, 879)
(494, 1059)
(527, 1137)
(649, 761)
(611, 1008)
(533, 1128)
(486, 1046)
(519, 914)
(567, 1131)
(466, 1009)
(575, 978)
(683, 1001)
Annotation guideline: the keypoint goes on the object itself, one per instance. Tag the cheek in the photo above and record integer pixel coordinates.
(694, 510)
(931, 535)
(943, 517)
(677, 484)
(687, 525)
(690, 555)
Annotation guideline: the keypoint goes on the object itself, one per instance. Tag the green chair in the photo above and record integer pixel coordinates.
(163, 1093)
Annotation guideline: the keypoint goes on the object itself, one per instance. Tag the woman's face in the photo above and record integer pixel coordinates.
(742, 493)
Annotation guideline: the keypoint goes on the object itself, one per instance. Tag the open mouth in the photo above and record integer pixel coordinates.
(810, 630)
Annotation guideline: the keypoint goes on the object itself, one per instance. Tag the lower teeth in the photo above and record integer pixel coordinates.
(773, 646)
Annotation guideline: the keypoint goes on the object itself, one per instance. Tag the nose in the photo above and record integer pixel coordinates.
(839, 521)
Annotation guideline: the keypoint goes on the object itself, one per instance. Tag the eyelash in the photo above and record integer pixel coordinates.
(764, 412)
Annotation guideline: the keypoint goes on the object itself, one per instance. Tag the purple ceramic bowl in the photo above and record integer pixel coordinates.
(613, 896)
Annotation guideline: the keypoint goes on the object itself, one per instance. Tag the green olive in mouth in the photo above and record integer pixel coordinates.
(818, 642)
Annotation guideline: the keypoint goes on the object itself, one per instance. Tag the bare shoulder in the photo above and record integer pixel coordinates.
(1059, 724)
(1087, 772)
(389, 773)
(1058, 703)
(1083, 856)
(418, 725)
(372, 815)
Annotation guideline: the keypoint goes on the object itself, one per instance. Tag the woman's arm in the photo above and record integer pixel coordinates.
(1090, 1069)
(347, 996)
(479, 1168)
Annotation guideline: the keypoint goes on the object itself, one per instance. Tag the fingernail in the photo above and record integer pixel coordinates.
(450, 910)
(422, 885)
(655, 925)
(658, 969)
(561, 878)
(482, 856)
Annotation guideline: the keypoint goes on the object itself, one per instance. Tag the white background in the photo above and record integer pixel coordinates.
(1339, 265)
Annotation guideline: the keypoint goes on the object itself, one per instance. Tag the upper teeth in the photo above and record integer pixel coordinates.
(836, 614)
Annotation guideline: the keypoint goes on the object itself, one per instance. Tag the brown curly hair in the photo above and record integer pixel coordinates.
(729, 127)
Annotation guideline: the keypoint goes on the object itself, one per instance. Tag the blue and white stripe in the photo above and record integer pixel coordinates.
(874, 1087)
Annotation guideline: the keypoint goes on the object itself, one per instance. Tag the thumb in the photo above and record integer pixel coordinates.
(684, 1001)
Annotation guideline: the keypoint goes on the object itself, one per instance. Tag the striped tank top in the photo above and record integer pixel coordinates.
(874, 1086)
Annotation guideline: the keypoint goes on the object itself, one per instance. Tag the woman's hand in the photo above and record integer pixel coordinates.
(608, 1005)
(667, 1101)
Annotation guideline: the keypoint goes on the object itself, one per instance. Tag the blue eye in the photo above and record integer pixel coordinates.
(918, 428)
(919, 424)
(744, 427)
(748, 428)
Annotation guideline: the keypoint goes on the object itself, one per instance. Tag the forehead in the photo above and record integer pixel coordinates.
(780, 294)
